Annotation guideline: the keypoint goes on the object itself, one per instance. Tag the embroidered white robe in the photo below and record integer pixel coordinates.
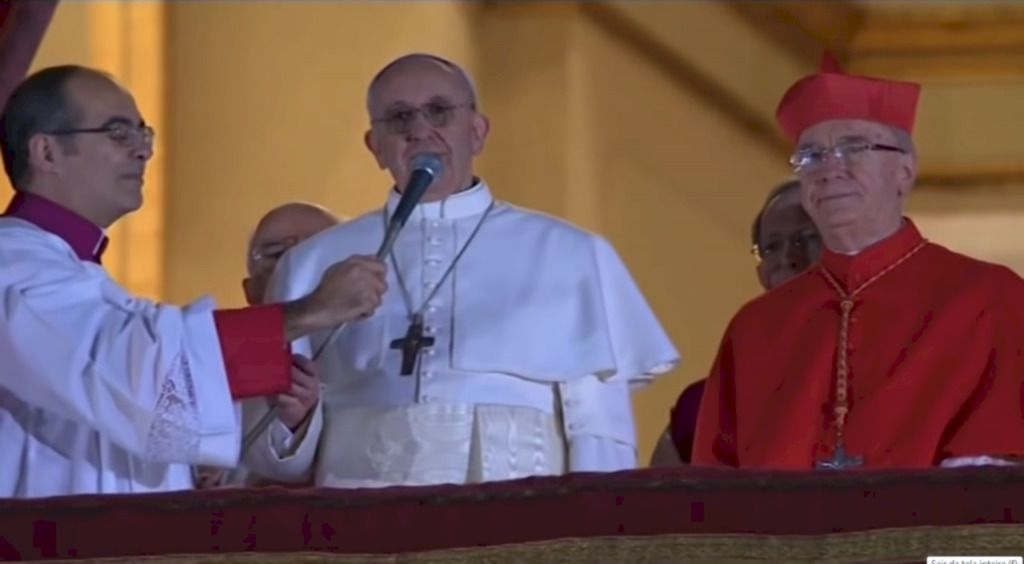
(102, 392)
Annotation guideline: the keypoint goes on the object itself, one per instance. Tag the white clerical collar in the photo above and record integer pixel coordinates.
(461, 204)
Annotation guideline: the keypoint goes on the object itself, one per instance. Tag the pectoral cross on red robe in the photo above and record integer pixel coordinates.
(840, 461)
(412, 344)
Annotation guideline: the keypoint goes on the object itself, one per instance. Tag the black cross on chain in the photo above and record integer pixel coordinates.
(412, 344)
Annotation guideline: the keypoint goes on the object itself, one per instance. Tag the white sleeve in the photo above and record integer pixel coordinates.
(598, 424)
(276, 454)
(148, 377)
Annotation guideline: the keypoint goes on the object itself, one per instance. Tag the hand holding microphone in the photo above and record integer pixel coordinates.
(353, 288)
(426, 169)
(349, 290)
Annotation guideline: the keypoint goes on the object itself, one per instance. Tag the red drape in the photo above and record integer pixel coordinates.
(23, 24)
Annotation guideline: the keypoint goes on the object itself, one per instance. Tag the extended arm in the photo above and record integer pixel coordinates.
(154, 379)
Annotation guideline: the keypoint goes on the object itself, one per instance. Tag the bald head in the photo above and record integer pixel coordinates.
(416, 62)
(279, 230)
(422, 103)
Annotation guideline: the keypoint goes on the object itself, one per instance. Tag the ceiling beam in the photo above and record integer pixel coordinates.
(805, 29)
(974, 178)
(938, 48)
(533, 7)
(979, 38)
(950, 68)
(633, 36)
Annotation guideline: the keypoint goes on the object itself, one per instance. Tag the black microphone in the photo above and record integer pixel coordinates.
(426, 168)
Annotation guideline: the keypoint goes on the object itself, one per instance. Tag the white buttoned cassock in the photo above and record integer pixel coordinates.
(540, 336)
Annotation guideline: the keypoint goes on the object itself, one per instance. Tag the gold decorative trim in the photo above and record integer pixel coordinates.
(889, 545)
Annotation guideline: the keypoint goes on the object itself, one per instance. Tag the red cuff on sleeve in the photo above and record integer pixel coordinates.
(257, 359)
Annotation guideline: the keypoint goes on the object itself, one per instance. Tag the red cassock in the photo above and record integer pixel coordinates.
(935, 364)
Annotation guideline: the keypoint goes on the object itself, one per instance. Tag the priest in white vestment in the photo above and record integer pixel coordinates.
(531, 332)
(103, 392)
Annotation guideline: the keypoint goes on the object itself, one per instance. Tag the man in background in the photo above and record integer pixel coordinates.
(278, 230)
(785, 242)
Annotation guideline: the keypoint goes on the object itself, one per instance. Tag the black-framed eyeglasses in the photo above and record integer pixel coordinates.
(846, 154)
(772, 247)
(123, 134)
(399, 121)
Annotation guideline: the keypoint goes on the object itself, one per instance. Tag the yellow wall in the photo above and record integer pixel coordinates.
(988, 225)
(261, 113)
(252, 114)
(675, 208)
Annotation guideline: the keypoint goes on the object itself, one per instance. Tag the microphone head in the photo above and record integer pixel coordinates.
(426, 169)
(429, 163)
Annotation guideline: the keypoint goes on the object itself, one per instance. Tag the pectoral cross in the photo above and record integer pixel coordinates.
(840, 461)
(411, 345)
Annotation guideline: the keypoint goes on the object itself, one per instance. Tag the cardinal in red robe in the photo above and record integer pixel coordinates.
(893, 351)
(785, 242)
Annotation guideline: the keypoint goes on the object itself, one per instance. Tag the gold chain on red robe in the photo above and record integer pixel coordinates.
(842, 403)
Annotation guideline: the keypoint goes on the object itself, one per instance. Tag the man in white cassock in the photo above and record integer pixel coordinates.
(508, 344)
(101, 391)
